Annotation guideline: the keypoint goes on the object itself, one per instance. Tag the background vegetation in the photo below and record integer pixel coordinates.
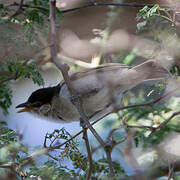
(22, 26)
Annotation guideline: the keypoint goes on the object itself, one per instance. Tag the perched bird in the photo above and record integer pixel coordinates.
(96, 86)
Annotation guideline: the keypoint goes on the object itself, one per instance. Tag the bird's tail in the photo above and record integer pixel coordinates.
(152, 70)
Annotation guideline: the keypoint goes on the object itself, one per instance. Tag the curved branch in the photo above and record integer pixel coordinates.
(64, 70)
(91, 4)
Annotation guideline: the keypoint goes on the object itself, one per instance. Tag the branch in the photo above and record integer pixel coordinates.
(85, 137)
(11, 76)
(150, 104)
(28, 6)
(53, 48)
(18, 11)
(4, 73)
(91, 4)
(162, 125)
(64, 70)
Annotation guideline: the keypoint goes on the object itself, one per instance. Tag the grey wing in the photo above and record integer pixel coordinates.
(91, 81)
(90, 84)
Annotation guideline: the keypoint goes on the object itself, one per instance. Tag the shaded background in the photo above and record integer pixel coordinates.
(77, 40)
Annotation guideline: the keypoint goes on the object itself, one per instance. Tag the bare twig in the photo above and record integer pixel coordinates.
(171, 170)
(27, 6)
(64, 70)
(91, 4)
(10, 77)
(123, 4)
(154, 129)
(18, 11)
(100, 140)
(108, 149)
(163, 124)
(4, 73)
(85, 137)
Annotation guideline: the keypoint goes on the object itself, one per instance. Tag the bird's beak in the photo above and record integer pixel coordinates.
(26, 107)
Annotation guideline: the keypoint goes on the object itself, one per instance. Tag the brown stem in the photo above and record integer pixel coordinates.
(64, 69)
(18, 11)
(12, 76)
(85, 137)
(108, 150)
(100, 140)
(91, 4)
(5, 73)
(163, 124)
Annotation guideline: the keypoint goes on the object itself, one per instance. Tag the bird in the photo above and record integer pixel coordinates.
(95, 86)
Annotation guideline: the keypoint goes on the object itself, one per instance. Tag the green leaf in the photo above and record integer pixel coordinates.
(29, 70)
(147, 12)
(151, 11)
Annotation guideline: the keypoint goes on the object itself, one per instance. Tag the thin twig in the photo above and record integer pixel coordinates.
(27, 6)
(12, 76)
(163, 124)
(150, 104)
(85, 137)
(64, 70)
(18, 11)
(100, 140)
(92, 4)
(4, 73)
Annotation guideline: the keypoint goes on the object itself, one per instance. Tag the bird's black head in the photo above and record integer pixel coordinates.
(38, 98)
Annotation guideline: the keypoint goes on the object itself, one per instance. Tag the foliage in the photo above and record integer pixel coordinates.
(34, 11)
(13, 152)
(19, 70)
(7, 135)
(5, 97)
(30, 70)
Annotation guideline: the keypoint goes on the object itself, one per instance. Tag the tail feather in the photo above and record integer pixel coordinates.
(152, 70)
